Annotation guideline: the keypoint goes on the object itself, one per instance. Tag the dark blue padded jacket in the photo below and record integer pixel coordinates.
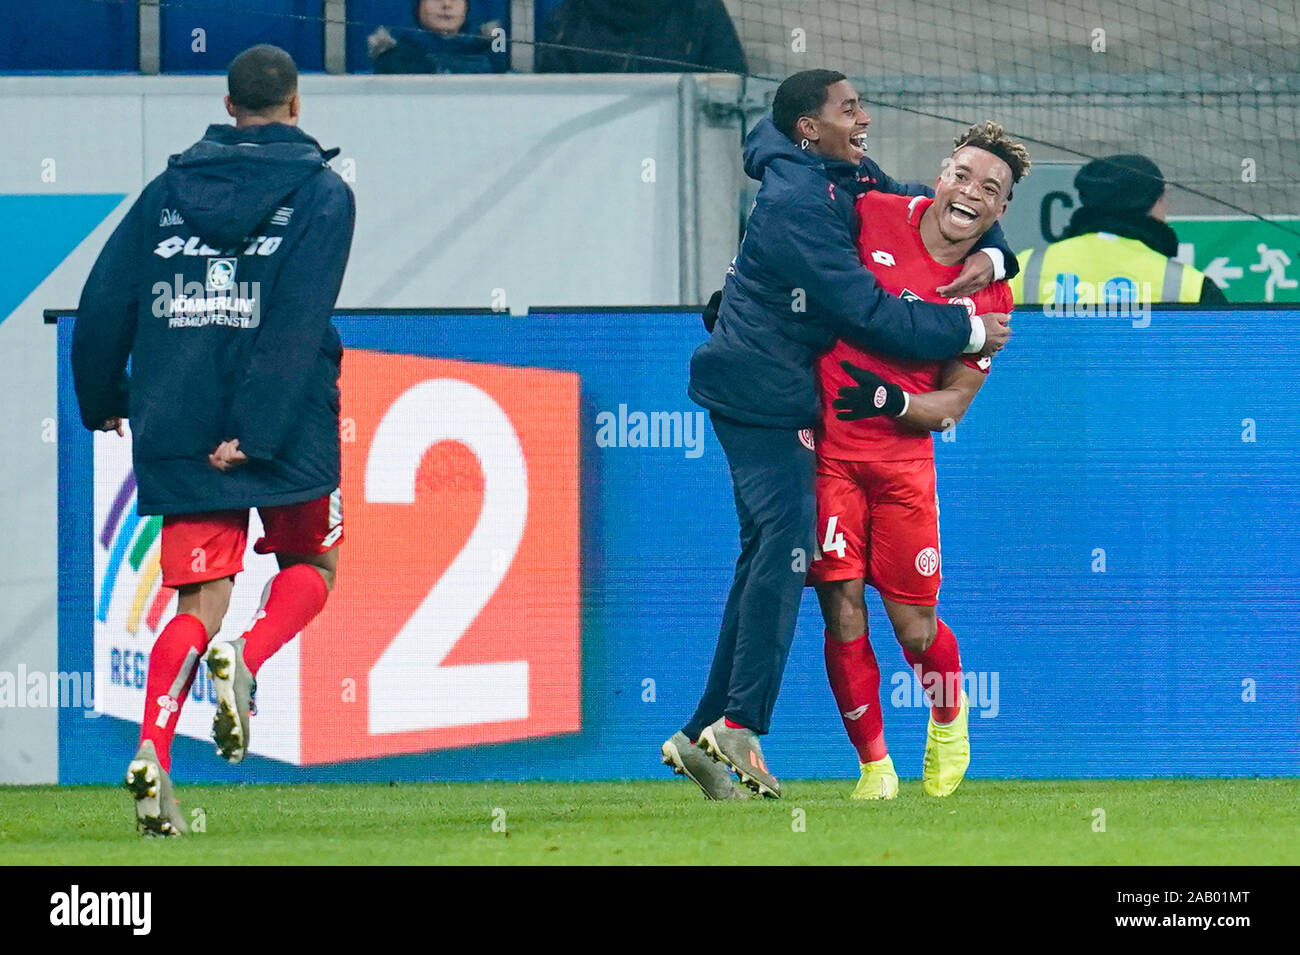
(218, 287)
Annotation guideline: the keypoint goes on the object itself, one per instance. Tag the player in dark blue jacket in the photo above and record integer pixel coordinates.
(797, 285)
(218, 287)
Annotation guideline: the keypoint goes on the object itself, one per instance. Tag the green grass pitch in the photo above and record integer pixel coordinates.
(1164, 822)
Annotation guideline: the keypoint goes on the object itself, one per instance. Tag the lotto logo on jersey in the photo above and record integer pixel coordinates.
(456, 616)
(882, 258)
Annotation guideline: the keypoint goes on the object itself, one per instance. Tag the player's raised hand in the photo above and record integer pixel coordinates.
(997, 332)
(976, 273)
(113, 424)
(227, 456)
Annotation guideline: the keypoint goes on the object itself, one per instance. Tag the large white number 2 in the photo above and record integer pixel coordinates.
(410, 689)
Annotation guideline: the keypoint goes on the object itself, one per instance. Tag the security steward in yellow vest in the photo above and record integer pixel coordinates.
(1117, 245)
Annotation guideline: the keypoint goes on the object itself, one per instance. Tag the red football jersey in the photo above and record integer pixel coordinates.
(889, 242)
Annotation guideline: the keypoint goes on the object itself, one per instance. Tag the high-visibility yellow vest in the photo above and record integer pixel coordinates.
(1102, 267)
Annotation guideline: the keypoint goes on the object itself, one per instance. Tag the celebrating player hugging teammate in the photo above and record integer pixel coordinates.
(797, 285)
(233, 393)
(877, 510)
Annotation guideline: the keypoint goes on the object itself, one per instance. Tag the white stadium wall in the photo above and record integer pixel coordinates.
(511, 192)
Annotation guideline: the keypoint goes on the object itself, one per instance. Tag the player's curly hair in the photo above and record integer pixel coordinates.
(991, 137)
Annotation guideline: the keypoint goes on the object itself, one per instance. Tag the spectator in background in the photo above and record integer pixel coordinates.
(1117, 245)
(640, 36)
(446, 38)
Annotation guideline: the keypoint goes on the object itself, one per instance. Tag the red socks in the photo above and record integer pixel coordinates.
(855, 681)
(172, 665)
(294, 596)
(940, 671)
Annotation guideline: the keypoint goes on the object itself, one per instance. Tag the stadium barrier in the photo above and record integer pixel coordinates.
(539, 537)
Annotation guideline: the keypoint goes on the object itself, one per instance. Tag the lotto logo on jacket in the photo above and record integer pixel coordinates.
(218, 301)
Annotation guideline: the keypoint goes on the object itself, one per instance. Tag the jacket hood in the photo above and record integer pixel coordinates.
(765, 144)
(228, 182)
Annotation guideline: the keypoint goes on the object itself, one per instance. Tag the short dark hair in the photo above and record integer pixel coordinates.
(991, 138)
(802, 94)
(262, 78)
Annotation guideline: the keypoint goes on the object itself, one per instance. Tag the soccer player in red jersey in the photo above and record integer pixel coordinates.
(877, 509)
(218, 285)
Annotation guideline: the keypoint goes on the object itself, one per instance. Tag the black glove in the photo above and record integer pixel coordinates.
(710, 314)
(873, 396)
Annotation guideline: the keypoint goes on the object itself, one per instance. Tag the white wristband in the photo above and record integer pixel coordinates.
(999, 262)
(907, 401)
(977, 336)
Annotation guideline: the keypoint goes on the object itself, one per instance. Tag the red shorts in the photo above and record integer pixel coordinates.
(879, 520)
(209, 546)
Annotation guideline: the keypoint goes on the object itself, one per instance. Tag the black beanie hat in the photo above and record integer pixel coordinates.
(1122, 183)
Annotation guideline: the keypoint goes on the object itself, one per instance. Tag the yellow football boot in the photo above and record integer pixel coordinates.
(879, 781)
(947, 753)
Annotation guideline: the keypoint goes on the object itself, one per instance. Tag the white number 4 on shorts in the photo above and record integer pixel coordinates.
(834, 543)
